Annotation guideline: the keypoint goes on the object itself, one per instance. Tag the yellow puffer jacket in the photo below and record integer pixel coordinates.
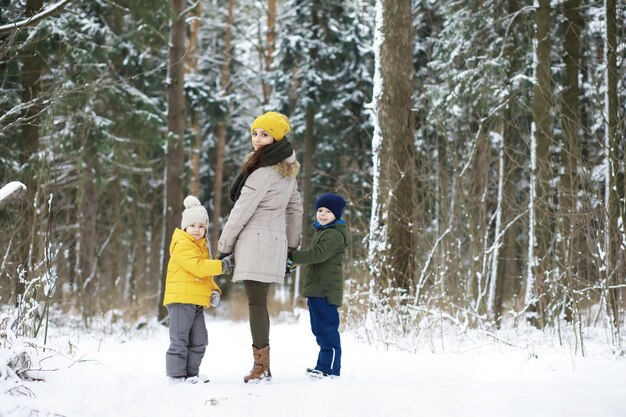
(190, 271)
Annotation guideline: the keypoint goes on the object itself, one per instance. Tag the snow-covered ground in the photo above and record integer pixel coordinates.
(117, 375)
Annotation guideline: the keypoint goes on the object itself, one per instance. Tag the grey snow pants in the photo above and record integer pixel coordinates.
(188, 340)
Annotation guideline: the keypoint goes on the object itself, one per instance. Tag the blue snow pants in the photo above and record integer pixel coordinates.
(325, 327)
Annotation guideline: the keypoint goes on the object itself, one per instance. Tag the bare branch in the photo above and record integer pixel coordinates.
(31, 21)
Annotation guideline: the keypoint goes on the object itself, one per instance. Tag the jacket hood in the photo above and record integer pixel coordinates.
(288, 167)
(180, 235)
(343, 229)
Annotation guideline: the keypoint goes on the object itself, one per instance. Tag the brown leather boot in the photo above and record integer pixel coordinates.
(261, 369)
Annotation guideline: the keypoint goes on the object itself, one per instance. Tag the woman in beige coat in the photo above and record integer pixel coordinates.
(264, 223)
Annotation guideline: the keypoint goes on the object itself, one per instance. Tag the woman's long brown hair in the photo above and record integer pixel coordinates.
(253, 161)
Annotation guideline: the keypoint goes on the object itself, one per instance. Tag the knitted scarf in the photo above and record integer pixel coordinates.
(270, 155)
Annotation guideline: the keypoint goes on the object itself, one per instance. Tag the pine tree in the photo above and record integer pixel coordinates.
(323, 80)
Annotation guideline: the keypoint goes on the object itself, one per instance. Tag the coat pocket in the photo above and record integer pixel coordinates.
(267, 245)
(261, 256)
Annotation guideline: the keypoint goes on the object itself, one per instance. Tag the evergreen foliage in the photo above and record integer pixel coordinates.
(89, 235)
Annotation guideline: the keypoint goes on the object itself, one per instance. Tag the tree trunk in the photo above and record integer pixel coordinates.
(87, 220)
(507, 281)
(569, 247)
(191, 67)
(218, 185)
(477, 204)
(194, 155)
(307, 174)
(495, 293)
(32, 71)
(508, 273)
(613, 269)
(31, 90)
(116, 250)
(391, 238)
(269, 48)
(309, 141)
(539, 250)
(174, 158)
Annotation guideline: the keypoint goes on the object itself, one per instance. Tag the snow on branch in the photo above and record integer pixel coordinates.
(11, 191)
(188, 9)
(34, 19)
(423, 276)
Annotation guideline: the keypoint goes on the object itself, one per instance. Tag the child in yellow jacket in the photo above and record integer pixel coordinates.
(189, 288)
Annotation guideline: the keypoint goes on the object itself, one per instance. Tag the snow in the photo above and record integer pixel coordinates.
(10, 188)
(122, 374)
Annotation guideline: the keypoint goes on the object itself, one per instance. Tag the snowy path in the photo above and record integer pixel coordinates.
(126, 379)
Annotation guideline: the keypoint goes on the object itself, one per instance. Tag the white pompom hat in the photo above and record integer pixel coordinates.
(194, 213)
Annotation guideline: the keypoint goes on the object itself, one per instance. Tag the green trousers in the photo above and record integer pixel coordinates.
(257, 308)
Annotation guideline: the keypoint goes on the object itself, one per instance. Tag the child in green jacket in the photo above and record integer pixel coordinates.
(323, 281)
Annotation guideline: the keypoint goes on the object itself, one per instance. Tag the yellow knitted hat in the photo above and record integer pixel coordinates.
(274, 123)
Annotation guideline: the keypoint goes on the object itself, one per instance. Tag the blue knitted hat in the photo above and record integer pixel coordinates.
(332, 202)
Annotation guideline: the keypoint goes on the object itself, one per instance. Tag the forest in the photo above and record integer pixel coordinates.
(479, 144)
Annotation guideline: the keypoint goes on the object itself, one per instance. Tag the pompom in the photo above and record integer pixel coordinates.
(194, 213)
(191, 201)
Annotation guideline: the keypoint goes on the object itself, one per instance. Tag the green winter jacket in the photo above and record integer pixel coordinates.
(323, 262)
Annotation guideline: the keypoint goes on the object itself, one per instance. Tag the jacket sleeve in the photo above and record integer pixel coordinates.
(214, 286)
(324, 249)
(294, 218)
(188, 258)
(252, 193)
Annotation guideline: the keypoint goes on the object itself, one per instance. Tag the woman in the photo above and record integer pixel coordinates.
(264, 223)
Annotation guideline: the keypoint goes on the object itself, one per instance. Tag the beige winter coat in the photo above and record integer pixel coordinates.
(265, 221)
